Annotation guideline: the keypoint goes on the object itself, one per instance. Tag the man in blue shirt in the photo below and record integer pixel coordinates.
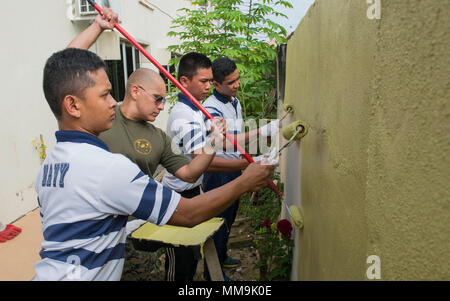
(223, 103)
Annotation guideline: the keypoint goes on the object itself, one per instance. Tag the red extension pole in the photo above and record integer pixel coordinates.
(183, 90)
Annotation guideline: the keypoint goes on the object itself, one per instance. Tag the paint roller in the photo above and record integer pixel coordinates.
(295, 215)
(295, 131)
(292, 132)
(289, 109)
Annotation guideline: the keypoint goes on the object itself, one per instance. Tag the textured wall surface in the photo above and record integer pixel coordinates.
(374, 169)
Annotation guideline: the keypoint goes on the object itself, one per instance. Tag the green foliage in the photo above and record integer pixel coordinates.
(274, 249)
(241, 31)
(275, 254)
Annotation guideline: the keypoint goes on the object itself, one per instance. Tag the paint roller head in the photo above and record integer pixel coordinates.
(297, 128)
(288, 108)
(296, 217)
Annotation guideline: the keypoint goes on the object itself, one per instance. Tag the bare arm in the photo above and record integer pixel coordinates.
(227, 165)
(242, 139)
(88, 37)
(200, 162)
(191, 212)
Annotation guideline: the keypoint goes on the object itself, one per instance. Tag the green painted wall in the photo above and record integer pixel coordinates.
(375, 166)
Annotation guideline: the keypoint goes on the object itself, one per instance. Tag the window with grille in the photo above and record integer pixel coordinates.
(86, 8)
(119, 71)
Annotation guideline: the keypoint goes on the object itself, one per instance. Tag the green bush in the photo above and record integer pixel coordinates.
(274, 247)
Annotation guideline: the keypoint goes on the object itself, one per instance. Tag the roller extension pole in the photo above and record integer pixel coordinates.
(179, 86)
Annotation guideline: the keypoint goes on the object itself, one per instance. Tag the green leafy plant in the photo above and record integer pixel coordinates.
(275, 250)
(273, 240)
(242, 31)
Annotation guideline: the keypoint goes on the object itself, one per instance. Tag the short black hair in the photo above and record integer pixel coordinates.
(191, 62)
(222, 67)
(67, 72)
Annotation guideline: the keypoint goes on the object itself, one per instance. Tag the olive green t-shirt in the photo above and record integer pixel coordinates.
(143, 143)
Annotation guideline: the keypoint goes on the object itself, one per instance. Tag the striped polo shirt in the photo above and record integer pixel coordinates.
(188, 130)
(85, 195)
(231, 111)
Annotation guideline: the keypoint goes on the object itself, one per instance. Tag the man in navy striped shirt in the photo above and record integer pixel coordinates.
(86, 193)
(223, 103)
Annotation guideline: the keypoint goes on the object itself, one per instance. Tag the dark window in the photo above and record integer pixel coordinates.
(86, 8)
(129, 55)
(137, 59)
(171, 69)
(119, 70)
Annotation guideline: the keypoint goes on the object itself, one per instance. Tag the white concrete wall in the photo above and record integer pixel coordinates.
(31, 32)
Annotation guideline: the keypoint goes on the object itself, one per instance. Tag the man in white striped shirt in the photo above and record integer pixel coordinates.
(224, 104)
(189, 130)
(86, 193)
